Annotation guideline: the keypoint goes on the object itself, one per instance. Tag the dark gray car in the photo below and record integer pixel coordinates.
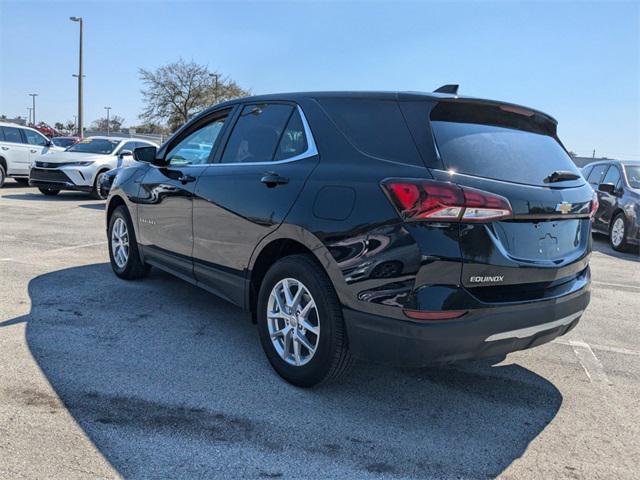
(617, 184)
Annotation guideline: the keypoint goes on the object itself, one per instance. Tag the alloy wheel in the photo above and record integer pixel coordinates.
(293, 322)
(617, 231)
(120, 242)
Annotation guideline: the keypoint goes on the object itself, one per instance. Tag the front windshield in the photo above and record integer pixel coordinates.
(633, 175)
(94, 145)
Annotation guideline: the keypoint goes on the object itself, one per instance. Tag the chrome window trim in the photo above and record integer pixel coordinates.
(311, 150)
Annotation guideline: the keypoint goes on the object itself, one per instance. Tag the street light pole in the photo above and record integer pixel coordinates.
(107, 109)
(33, 109)
(29, 109)
(80, 128)
(215, 86)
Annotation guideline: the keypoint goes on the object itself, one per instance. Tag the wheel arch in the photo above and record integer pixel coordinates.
(3, 162)
(289, 240)
(114, 202)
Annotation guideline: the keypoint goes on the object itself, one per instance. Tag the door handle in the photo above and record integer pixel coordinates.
(33, 151)
(272, 179)
(184, 178)
(5, 148)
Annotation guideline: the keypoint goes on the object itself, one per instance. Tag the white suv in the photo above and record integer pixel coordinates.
(81, 166)
(19, 148)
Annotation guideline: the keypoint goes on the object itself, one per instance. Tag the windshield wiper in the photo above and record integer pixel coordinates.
(561, 176)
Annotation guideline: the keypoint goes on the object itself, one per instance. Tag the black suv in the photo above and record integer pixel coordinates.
(617, 184)
(403, 228)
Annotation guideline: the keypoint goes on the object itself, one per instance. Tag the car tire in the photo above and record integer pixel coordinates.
(49, 191)
(618, 233)
(97, 192)
(297, 364)
(3, 176)
(22, 181)
(124, 253)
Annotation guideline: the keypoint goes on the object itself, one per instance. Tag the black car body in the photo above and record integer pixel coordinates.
(435, 218)
(617, 184)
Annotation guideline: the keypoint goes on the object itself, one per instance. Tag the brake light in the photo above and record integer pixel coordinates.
(594, 204)
(442, 201)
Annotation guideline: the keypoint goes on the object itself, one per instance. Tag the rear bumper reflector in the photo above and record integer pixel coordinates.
(441, 315)
(530, 331)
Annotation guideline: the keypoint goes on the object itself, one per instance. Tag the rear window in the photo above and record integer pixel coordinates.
(490, 143)
(375, 127)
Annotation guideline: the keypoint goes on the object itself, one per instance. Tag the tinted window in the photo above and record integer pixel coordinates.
(131, 146)
(12, 134)
(63, 142)
(293, 141)
(500, 153)
(34, 138)
(596, 175)
(612, 176)
(375, 127)
(633, 175)
(196, 148)
(256, 133)
(586, 171)
(102, 146)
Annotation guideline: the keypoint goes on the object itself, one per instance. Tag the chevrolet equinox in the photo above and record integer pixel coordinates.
(402, 228)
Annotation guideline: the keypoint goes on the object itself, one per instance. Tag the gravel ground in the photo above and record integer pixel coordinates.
(101, 378)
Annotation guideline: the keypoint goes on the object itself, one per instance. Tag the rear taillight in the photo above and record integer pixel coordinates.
(442, 201)
(594, 204)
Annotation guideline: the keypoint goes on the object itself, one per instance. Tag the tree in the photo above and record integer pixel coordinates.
(175, 92)
(115, 123)
(70, 126)
(59, 126)
(150, 127)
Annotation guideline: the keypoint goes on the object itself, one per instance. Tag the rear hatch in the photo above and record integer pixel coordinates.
(543, 245)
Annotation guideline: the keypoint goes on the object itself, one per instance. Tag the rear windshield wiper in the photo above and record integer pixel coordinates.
(560, 176)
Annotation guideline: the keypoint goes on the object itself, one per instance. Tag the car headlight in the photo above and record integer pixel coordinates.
(78, 164)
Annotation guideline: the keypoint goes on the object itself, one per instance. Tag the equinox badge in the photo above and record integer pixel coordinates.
(480, 279)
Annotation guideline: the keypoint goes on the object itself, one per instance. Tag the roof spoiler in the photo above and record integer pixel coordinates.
(452, 89)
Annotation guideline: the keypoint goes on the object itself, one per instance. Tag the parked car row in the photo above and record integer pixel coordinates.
(62, 163)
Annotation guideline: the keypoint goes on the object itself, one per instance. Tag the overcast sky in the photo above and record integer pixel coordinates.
(579, 62)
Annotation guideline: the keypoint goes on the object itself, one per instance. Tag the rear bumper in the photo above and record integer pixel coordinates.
(481, 333)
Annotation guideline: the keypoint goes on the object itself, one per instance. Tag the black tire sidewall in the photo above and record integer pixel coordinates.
(321, 289)
(125, 272)
(49, 191)
(96, 193)
(3, 176)
(623, 244)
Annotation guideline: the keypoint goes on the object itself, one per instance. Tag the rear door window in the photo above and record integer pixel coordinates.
(293, 141)
(257, 133)
(595, 177)
(375, 127)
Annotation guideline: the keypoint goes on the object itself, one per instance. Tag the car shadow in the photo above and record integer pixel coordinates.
(93, 206)
(61, 197)
(601, 244)
(164, 377)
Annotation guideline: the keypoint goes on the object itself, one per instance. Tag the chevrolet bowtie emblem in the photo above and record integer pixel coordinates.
(564, 207)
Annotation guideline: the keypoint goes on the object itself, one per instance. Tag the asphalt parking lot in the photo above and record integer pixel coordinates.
(101, 378)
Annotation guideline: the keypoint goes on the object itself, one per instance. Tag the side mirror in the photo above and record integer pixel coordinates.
(145, 154)
(609, 188)
(125, 153)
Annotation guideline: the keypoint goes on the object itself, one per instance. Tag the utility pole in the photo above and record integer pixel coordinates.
(107, 109)
(593, 155)
(33, 109)
(80, 128)
(215, 86)
(29, 110)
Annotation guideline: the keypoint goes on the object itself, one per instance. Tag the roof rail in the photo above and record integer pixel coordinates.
(452, 89)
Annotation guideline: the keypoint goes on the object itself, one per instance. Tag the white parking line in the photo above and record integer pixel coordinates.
(590, 363)
(616, 285)
(604, 348)
(56, 250)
